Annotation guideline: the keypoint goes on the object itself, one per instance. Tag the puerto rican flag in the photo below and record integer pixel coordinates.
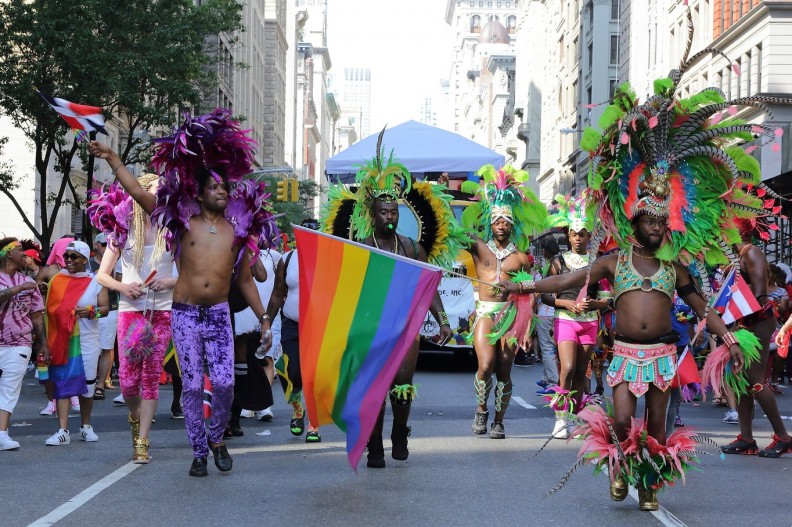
(79, 116)
(735, 299)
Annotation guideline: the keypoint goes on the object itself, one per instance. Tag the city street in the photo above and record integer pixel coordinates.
(451, 478)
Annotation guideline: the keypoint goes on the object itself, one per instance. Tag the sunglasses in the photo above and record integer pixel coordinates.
(72, 256)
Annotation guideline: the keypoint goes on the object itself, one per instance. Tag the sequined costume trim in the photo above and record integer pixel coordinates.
(629, 279)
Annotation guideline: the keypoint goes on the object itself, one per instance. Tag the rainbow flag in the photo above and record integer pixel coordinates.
(360, 310)
(69, 378)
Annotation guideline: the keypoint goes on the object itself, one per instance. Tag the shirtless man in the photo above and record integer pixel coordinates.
(645, 345)
(753, 267)
(494, 260)
(201, 320)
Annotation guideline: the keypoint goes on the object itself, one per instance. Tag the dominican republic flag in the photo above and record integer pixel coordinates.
(79, 116)
(735, 299)
(687, 371)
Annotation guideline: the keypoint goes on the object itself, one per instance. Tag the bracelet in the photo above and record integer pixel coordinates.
(521, 287)
(264, 317)
(443, 318)
(114, 170)
(728, 339)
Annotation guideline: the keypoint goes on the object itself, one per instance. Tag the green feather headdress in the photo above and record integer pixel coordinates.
(574, 214)
(503, 195)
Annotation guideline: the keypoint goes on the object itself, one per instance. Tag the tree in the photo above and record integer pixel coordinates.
(295, 212)
(143, 62)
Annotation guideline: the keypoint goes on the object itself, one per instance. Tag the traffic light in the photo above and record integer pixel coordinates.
(295, 188)
(282, 193)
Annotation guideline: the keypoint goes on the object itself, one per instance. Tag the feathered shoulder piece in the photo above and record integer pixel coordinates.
(666, 157)
(110, 211)
(572, 213)
(215, 143)
(503, 195)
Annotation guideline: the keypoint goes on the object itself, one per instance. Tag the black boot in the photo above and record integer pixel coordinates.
(376, 452)
(399, 436)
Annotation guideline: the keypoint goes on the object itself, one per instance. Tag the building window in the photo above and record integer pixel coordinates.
(511, 24)
(475, 24)
(614, 49)
(614, 9)
(472, 4)
(590, 58)
(561, 50)
(612, 90)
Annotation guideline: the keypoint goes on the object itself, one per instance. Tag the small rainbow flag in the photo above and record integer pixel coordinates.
(360, 310)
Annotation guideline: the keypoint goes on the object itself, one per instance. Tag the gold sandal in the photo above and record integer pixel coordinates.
(647, 499)
(618, 489)
(141, 455)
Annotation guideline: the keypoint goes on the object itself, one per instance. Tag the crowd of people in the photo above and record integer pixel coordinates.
(189, 258)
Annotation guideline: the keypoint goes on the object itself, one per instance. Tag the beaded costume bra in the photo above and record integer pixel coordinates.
(629, 279)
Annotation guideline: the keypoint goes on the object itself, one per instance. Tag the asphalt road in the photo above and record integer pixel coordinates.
(451, 478)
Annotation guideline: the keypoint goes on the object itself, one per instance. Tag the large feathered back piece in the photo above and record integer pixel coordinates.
(666, 157)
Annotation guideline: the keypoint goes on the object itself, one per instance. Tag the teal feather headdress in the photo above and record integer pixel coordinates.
(572, 213)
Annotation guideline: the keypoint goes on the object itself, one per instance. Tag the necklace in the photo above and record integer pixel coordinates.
(576, 261)
(644, 257)
(500, 254)
(395, 249)
(212, 228)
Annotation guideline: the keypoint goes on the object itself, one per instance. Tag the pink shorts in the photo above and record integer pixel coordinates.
(583, 333)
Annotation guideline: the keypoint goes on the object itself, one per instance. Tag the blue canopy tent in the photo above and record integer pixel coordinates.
(420, 147)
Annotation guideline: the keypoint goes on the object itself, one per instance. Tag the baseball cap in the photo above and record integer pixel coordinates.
(80, 248)
(33, 253)
(100, 238)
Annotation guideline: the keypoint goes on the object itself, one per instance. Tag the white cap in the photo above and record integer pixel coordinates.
(80, 248)
(100, 238)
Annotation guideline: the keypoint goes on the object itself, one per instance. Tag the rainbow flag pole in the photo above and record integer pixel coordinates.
(360, 311)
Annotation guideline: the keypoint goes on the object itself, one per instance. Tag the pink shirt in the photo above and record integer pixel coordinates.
(16, 327)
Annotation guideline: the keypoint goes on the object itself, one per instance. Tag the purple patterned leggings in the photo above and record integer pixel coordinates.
(141, 378)
(202, 335)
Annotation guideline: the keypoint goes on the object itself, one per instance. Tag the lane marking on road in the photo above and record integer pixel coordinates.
(82, 498)
(662, 515)
(521, 402)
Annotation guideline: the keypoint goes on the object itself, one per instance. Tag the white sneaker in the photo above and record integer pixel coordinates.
(560, 430)
(731, 417)
(119, 400)
(6, 443)
(87, 433)
(75, 403)
(265, 414)
(50, 409)
(61, 437)
(247, 414)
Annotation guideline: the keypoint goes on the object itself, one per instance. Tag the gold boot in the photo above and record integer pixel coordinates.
(135, 426)
(647, 500)
(141, 455)
(618, 489)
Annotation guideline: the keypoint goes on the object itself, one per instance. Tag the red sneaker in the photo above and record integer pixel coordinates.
(777, 447)
(741, 446)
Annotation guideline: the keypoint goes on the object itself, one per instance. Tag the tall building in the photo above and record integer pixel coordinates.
(356, 98)
(272, 147)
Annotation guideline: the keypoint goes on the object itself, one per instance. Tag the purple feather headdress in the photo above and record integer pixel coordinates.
(216, 143)
(110, 210)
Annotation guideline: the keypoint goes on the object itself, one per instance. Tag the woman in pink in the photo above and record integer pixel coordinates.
(144, 316)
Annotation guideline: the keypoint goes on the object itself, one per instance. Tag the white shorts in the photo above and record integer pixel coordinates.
(90, 359)
(107, 330)
(13, 362)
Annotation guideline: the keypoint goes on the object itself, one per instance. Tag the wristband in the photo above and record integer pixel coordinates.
(114, 170)
(728, 339)
(264, 317)
(443, 318)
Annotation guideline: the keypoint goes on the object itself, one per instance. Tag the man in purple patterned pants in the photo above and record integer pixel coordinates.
(201, 321)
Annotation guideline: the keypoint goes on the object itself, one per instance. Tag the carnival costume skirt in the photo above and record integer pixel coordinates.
(641, 365)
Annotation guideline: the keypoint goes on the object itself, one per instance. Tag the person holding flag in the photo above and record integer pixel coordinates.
(371, 217)
(668, 192)
(753, 267)
(201, 214)
(146, 294)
